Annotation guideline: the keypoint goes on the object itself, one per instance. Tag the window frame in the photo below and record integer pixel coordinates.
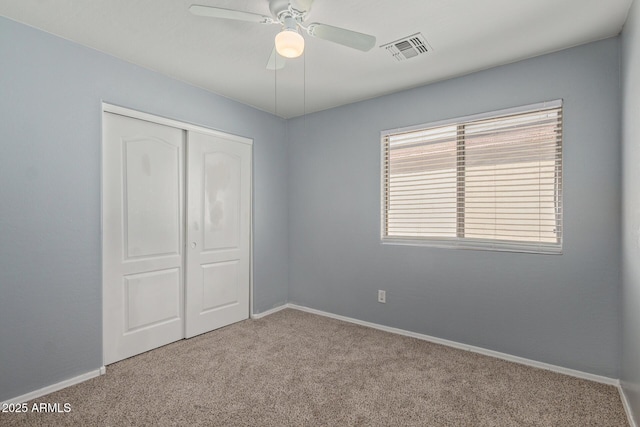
(459, 242)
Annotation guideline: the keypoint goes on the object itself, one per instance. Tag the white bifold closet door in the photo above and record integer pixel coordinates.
(176, 242)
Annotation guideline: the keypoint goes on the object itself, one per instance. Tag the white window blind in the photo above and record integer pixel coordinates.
(491, 181)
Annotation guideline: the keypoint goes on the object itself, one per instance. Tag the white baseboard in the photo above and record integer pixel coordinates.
(268, 312)
(627, 406)
(55, 387)
(474, 349)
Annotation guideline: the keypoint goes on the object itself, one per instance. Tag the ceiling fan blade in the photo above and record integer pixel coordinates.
(237, 15)
(353, 39)
(275, 62)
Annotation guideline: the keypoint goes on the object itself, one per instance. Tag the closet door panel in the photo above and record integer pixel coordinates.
(143, 265)
(151, 197)
(218, 218)
(221, 205)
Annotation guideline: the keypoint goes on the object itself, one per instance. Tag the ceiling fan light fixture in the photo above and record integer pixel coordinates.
(289, 43)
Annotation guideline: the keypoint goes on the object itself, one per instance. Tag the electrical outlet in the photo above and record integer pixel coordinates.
(382, 296)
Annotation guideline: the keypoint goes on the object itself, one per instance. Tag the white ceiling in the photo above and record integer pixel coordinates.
(229, 57)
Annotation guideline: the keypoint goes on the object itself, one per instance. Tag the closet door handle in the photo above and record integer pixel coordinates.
(193, 245)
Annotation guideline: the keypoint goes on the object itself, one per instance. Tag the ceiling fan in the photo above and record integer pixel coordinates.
(290, 15)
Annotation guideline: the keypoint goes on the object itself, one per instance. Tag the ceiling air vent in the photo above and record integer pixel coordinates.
(408, 47)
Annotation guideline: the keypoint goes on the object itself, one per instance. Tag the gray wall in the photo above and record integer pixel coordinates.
(50, 136)
(558, 309)
(630, 296)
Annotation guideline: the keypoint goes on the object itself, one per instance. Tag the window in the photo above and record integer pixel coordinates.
(490, 181)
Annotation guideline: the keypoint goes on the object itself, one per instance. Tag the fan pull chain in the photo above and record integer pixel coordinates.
(275, 86)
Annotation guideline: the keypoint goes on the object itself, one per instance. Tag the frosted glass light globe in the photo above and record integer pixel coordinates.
(289, 43)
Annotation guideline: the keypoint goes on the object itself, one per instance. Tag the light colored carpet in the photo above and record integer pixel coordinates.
(297, 369)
